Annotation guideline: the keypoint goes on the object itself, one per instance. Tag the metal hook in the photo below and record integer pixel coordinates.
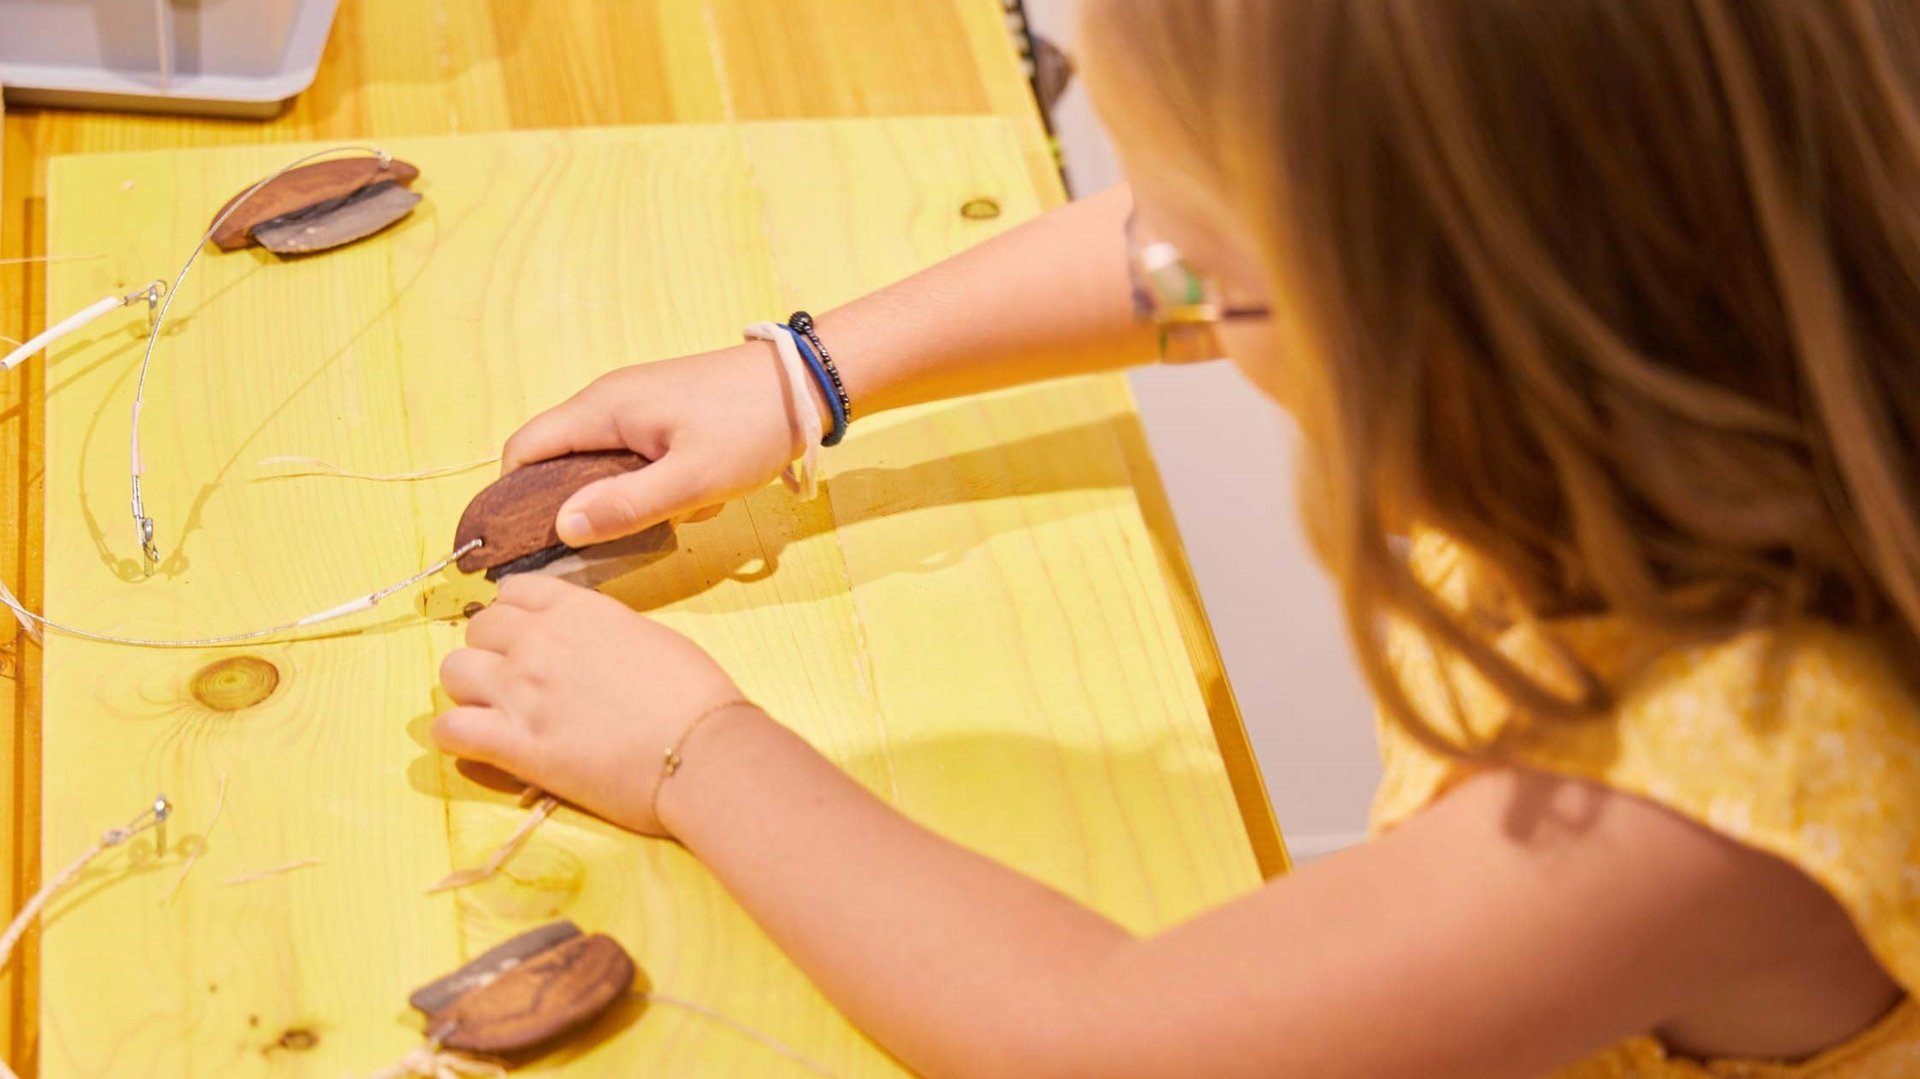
(143, 529)
(154, 816)
(162, 809)
(152, 293)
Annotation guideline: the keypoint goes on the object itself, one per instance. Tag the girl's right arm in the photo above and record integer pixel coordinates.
(1048, 299)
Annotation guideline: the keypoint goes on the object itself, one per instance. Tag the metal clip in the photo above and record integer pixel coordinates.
(152, 817)
(148, 547)
(153, 293)
(143, 529)
(162, 809)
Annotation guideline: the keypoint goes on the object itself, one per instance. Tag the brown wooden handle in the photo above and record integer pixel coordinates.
(516, 515)
(439, 994)
(300, 188)
(538, 1000)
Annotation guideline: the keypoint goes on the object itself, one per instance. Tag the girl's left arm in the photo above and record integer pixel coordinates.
(1521, 922)
(1464, 943)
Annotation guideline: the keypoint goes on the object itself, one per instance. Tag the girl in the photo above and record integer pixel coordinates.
(1612, 307)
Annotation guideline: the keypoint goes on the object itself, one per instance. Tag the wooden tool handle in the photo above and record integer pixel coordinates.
(537, 1000)
(439, 994)
(517, 514)
(302, 187)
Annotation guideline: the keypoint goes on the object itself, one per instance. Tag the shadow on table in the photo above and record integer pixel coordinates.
(1120, 827)
(746, 543)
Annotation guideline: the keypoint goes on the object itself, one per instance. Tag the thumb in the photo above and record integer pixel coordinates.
(622, 505)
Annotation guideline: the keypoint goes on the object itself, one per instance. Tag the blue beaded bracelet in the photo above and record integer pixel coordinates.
(803, 322)
(819, 370)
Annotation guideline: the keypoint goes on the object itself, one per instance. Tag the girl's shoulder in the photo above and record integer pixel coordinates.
(1801, 741)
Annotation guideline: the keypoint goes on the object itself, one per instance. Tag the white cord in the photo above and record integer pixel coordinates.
(112, 837)
(30, 913)
(353, 606)
(314, 466)
(543, 808)
(34, 623)
(62, 329)
(803, 476)
(143, 524)
(20, 612)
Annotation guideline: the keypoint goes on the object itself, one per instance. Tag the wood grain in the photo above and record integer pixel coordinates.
(424, 67)
(1061, 731)
(435, 67)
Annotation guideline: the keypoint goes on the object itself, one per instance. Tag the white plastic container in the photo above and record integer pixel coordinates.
(214, 57)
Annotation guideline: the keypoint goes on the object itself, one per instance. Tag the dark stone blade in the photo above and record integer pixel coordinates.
(299, 188)
(595, 565)
(334, 222)
(437, 996)
(539, 559)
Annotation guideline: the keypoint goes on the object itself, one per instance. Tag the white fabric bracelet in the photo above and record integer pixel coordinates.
(803, 476)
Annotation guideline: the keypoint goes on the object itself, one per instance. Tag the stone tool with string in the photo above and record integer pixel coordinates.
(515, 518)
(514, 1002)
(526, 992)
(527, 996)
(319, 206)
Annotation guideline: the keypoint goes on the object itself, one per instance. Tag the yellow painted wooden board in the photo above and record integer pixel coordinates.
(972, 620)
(428, 67)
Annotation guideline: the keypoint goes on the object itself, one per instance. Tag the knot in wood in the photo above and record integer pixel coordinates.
(238, 682)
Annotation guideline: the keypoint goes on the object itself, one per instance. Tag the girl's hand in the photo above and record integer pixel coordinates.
(716, 426)
(577, 695)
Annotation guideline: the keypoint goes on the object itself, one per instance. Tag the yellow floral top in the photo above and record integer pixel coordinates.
(1802, 742)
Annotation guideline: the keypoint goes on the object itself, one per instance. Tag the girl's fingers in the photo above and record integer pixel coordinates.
(565, 428)
(477, 734)
(531, 592)
(623, 505)
(497, 628)
(472, 676)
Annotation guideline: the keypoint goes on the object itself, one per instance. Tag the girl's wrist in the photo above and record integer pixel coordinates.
(767, 362)
(723, 738)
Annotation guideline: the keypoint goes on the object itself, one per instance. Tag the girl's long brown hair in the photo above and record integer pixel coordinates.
(1622, 295)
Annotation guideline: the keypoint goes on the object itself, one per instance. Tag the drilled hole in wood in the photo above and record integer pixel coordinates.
(981, 209)
(229, 685)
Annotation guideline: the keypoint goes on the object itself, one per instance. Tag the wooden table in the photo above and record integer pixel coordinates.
(436, 67)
